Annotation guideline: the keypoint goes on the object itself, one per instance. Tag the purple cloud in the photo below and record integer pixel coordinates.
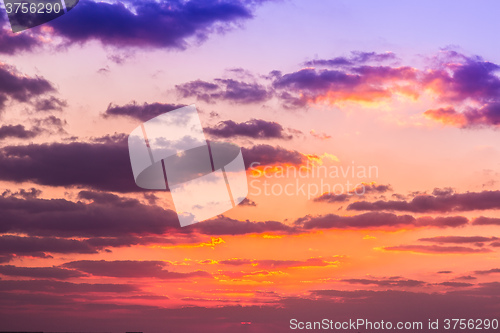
(436, 203)
(18, 131)
(95, 165)
(40, 272)
(226, 90)
(377, 220)
(356, 58)
(458, 239)
(270, 155)
(254, 128)
(489, 271)
(131, 269)
(436, 249)
(386, 282)
(11, 43)
(59, 217)
(149, 24)
(19, 87)
(142, 112)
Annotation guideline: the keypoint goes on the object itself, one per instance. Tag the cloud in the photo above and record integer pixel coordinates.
(465, 81)
(436, 203)
(104, 166)
(386, 282)
(11, 43)
(39, 246)
(222, 225)
(51, 103)
(436, 249)
(225, 90)
(254, 128)
(40, 272)
(131, 269)
(455, 284)
(356, 58)
(63, 218)
(280, 264)
(19, 87)
(59, 287)
(458, 239)
(332, 197)
(270, 155)
(149, 24)
(489, 271)
(142, 112)
(482, 220)
(355, 84)
(18, 131)
(364, 188)
(377, 220)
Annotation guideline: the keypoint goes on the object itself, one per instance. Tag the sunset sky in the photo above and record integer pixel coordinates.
(405, 93)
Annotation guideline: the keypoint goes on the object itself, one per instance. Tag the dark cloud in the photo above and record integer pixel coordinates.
(51, 124)
(279, 264)
(443, 191)
(356, 58)
(436, 203)
(375, 188)
(436, 249)
(100, 313)
(455, 284)
(226, 90)
(149, 24)
(19, 87)
(51, 103)
(332, 197)
(222, 225)
(364, 188)
(39, 246)
(102, 217)
(103, 166)
(466, 277)
(386, 282)
(59, 287)
(254, 128)
(270, 155)
(40, 272)
(142, 112)
(482, 220)
(11, 43)
(377, 220)
(5, 258)
(489, 271)
(458, 239)
(131, 269)
(18, 131)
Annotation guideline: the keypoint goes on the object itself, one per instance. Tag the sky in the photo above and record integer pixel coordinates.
(368, 131)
